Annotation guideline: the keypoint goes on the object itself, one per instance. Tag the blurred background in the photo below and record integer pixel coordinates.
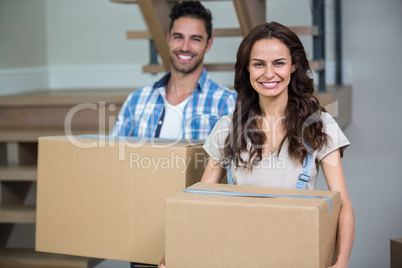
(57, 45)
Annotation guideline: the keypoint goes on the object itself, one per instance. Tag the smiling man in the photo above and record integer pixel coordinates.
(185, 103)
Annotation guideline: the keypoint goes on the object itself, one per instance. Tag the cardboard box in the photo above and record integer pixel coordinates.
(104, 198)
(288, 228)
(396, 253)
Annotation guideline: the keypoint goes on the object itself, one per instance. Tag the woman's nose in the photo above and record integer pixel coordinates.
(269, 72)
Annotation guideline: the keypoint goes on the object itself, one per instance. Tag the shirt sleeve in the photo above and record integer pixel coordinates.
(227, 102)
(337, 139)
(122, 126)
(216, 140)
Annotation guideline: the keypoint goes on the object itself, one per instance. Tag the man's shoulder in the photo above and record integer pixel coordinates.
(144, 91)
(209, 86)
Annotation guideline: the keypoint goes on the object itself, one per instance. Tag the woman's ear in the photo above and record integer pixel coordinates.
(294, 67)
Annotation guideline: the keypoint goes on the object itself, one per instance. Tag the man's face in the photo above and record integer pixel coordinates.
(188, 43)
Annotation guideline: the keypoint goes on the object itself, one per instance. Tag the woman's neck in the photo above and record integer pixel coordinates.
(273, 107)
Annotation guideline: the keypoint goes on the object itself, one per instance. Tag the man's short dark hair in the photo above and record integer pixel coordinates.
(192, 9)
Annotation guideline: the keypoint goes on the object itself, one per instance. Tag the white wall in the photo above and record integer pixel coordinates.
(372, 43)
(85, 40)
(22, 46)
(22, 34)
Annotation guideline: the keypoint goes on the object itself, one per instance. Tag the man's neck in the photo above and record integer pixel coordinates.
(180, 85)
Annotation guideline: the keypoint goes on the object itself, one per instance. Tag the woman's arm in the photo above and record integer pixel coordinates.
(214, 172)
(333, 172)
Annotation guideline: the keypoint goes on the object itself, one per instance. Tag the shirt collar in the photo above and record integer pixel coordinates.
(200, 84)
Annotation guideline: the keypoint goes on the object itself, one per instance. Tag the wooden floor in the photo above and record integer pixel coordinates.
(65, 97)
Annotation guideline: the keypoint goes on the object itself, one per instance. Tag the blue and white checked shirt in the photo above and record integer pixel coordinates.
(140, 113)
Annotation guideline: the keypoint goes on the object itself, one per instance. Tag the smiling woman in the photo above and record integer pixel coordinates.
(277, 117)
(270, 69)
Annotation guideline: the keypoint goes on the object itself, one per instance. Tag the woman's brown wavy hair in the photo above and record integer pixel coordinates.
(303, 125)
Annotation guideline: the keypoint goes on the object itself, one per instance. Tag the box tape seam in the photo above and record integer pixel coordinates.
(242, 194)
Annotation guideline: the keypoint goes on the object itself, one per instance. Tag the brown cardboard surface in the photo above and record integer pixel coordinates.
(396, 252)
(204, 230)
(107, 201)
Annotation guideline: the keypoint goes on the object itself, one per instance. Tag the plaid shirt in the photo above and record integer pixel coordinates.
(140, 113)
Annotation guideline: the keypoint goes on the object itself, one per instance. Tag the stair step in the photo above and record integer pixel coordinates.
(25, 117)
(29, 258)
(17, 214)
(228, 32)
(32, 135)
(18, 173)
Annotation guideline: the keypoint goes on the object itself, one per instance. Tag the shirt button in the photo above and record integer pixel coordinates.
(160, 122)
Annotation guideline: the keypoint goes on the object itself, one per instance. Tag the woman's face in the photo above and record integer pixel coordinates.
(270, 68)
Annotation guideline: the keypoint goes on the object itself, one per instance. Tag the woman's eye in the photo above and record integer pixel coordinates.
(279, 63)
(257, 64)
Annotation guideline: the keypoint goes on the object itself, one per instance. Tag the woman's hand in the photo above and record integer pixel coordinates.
(333, 173)
(340, 263)
(162, 263)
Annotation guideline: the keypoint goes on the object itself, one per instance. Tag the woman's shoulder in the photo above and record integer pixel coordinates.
(222, 127)
(337, 139)
(327, 118)
(330, 124)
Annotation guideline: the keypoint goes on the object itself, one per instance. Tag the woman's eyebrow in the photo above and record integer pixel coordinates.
(280, 59)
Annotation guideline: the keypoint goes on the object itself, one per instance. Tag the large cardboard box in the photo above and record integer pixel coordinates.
(104, 198)
(396, 252)
(274, 227)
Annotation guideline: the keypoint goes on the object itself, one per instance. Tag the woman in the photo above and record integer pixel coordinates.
(278, 125)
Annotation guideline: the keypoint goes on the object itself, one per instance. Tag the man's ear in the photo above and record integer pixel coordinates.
(209, 44)
(168, 37)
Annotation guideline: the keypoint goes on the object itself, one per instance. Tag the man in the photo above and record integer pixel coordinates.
(185, 103)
